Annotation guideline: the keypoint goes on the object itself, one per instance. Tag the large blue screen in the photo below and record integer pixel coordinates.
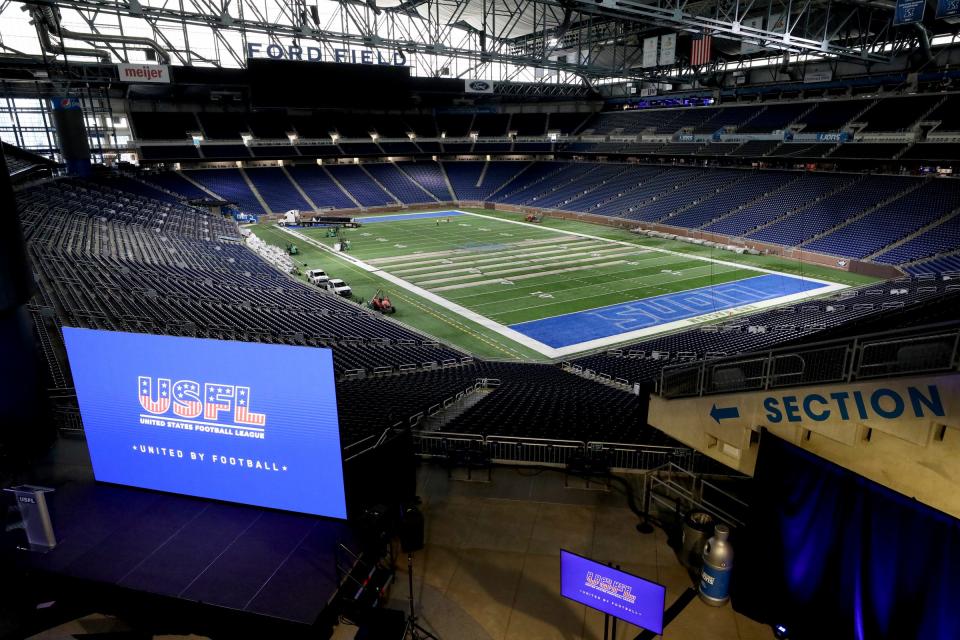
(605, 589)
(235, 421)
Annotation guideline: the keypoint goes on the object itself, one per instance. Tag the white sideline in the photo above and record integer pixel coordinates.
(551, 352)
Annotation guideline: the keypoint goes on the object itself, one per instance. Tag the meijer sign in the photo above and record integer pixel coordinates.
(144, 73)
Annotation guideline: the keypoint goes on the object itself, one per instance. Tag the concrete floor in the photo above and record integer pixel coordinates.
(491, 568)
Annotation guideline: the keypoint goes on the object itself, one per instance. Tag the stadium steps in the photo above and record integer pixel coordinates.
(446, 181)
(595, 186)
(448, 414)
(799, 118)
(710, 196)
(908, 238)
(198, 185)
(916, 125)
(804, 206)
(333, 179)
(419, 186)
(380, 184)
(296, 185)
(561, 185)
(938, 256)
(639, 185)
(656, 196)
(864, 213)
(853, 121)
(510, 180)
(483, 174)
(906, 148)
(755, 115)
(253, 190)
(562, 166)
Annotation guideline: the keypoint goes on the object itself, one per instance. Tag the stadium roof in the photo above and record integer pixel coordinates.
(549, 41)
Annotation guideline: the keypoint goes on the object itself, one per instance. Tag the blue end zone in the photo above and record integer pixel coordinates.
(582, 326)
(408, 216)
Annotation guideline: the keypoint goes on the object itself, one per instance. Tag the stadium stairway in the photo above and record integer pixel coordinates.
(913, 187)
(922, 230)
(296, 185)
(256, 193)
(333, 179)
(197, 184)
(511, 179)
(381, 185)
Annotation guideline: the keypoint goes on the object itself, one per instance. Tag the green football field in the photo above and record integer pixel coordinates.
(469, 278)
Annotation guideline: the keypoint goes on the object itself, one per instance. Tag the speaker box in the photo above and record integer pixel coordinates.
(383, 624)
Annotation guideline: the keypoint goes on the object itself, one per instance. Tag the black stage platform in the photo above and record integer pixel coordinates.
(210, 560)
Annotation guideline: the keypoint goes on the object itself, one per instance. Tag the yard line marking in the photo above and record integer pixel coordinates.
(525, 276)
(592, 261)
(437, 254)
(748, 267)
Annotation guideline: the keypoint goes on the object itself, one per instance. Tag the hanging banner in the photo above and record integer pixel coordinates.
(650, 52)
(908, 11)
(810, 77)
(948, 9)
(751, 23)
(477, 86)
(668, 49)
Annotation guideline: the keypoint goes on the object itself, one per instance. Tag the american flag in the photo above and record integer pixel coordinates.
(700, 49)
(162, 403)
(243, 415)
(186, 396)
(218, 399)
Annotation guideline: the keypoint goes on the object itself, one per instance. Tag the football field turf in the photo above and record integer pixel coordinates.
(553, 291)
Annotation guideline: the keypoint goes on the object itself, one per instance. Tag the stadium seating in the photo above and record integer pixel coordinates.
(896, 219)
(276, 189)
(320, 188)
(175, 183)
(229, 184)
(398, 183)
(355, 180)
(430, 176)
(873, 307)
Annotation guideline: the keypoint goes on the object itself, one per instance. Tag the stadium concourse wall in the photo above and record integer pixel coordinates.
(883, 271)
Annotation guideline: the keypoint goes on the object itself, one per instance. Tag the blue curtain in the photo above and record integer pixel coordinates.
(830, 554)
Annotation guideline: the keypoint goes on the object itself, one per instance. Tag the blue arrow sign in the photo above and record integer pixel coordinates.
(724, 413)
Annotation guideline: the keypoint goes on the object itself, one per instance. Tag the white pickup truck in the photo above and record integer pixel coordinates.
(339, 287)
(318, 277)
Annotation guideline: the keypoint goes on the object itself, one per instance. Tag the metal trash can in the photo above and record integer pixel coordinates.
(696, 529)
(717, 564)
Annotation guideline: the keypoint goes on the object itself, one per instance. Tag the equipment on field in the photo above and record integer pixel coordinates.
(380, 302)
(332, 232)
(292, 249)
(533, 217)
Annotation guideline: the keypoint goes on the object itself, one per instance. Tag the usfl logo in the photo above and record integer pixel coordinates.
(189, 399)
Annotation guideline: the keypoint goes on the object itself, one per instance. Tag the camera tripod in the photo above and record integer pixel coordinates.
(414, 631)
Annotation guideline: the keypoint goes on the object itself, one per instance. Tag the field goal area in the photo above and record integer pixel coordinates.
(554, 291)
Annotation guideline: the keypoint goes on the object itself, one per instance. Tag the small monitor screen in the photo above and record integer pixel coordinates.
(234, 421)
(622, 595)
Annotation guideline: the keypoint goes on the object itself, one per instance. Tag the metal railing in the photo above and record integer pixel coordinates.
(556, 453)
(677, 489)
(879, 355)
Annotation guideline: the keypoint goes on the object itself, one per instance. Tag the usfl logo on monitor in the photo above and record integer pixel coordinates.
(189, 400)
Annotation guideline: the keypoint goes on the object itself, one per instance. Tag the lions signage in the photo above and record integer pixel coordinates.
(478, 86)
(211, 418)
(274, 51)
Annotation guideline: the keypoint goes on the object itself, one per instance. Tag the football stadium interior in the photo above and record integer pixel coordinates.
(480, 319)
